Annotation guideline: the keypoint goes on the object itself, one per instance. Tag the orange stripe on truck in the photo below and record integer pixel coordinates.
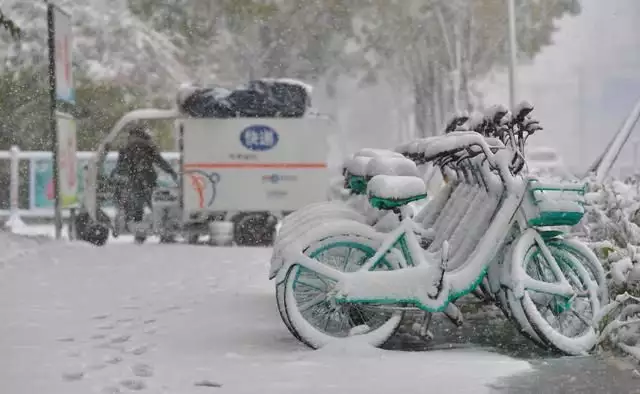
(255, 165)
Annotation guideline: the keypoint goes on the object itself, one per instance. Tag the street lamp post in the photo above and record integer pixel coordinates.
(513, 53)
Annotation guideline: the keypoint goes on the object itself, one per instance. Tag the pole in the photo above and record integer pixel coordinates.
(636, 145)
(513, 53)
(53, 121)
(14, 190)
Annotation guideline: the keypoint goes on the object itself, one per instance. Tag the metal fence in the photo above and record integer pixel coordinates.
(26, 188)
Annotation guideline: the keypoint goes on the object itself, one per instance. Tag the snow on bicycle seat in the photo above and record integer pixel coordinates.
(357, 165)
(387, 192)
(371, 152)
(391, 166)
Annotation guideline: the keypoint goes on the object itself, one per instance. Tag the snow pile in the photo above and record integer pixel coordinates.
(14, 246)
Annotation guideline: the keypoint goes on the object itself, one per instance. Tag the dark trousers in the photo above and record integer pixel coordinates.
(132, 199)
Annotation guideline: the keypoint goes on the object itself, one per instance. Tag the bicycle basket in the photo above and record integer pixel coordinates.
(554, 204)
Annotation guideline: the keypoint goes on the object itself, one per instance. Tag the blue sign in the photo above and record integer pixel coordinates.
(259, 138)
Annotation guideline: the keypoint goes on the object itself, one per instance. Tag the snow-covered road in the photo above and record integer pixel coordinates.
(184, 319)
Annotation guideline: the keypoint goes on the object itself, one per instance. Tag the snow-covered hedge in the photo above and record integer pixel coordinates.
(611, 227)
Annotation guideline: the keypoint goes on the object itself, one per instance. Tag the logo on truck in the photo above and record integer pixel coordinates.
(259, 138)
(205, 185)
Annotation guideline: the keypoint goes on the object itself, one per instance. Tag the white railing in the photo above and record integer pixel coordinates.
(15, 156)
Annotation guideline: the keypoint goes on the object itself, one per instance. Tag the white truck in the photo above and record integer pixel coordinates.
(239, 173)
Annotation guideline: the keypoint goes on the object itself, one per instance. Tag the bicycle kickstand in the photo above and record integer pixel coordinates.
(422, 328)
(451, 311)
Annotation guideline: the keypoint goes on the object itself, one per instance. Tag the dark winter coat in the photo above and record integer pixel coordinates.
(136, 162)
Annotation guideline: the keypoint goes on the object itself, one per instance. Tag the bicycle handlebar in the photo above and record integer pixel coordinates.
(497, 124)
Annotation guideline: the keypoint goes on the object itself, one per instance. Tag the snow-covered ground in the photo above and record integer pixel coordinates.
(184, 319)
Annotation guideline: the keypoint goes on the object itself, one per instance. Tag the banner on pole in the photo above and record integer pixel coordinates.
(63, 56)
(67, 163)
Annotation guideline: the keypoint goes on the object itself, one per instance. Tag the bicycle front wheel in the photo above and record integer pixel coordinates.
(560, 248)
(564, 323)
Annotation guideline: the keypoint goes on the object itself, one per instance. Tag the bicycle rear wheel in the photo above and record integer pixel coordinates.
(310, 314)
(338, 252)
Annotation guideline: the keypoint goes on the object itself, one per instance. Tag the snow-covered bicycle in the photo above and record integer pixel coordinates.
(539, 286)
(361, 167)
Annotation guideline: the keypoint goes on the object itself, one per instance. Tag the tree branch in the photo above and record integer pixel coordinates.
(9, 26)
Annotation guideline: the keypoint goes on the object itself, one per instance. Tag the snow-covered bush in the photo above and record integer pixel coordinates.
(610, 227)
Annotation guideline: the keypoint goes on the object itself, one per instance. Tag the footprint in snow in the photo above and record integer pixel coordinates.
(113, 360)
(142, 370)
(74, 353)
(133, 384)
(150, 330)
(72, 376)
(97, 367)
(120, 339)
(111, 390)
(207, 383)
(110, 346)
(139, 350)
(168, 309)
